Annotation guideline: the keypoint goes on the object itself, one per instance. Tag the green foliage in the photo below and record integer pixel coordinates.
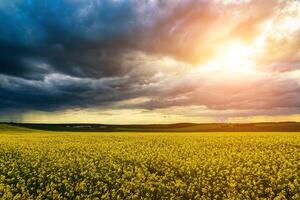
(149, 165)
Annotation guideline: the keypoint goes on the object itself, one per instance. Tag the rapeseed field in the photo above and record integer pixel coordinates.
(60, 165)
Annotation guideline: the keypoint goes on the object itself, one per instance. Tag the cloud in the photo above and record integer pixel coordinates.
(227, 92)
(56, 91)
(57, 55)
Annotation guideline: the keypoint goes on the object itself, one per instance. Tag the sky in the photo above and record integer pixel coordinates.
(149, 61)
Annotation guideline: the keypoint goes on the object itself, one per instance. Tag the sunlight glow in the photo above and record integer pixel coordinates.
(236, 57)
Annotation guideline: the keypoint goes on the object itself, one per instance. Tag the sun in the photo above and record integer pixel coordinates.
(234, 57)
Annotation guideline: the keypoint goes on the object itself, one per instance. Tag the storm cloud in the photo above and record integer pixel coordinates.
(63, 54)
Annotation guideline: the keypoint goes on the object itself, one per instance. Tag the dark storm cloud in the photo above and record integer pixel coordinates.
(63, 34)
(53, 52)
(55, 92)
(84, 40)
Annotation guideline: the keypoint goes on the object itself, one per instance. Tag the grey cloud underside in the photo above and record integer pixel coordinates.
(58, 92)
(264, 94)
(66, 54)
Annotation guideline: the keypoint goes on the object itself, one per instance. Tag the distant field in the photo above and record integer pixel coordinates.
(180, 127)
(36, 164)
